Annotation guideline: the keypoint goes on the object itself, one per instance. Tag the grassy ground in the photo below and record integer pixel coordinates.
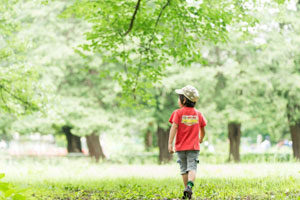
(61, 178)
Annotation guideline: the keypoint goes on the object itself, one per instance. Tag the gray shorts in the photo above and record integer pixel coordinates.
(188, 161)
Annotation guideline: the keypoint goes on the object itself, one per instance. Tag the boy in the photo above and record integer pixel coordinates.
(187, 122)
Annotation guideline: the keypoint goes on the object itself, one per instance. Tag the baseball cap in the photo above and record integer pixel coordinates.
(189, 92)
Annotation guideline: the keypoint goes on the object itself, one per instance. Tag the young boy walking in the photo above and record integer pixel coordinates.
(187, 123)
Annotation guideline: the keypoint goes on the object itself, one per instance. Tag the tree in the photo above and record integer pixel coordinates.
(153, 35)
(274, 62)
(283, 63)
(274, 99)
(17, 95)
(75, 91)
(162, 111)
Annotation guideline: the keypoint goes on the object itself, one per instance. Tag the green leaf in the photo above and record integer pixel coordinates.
(2, 175)
(280, 1)
(18, 197)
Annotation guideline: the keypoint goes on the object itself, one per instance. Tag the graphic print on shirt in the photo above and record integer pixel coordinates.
(189, 120)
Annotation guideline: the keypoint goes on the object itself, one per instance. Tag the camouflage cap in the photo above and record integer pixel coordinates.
(189, 92)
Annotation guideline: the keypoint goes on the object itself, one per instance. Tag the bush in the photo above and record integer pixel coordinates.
(9, 191)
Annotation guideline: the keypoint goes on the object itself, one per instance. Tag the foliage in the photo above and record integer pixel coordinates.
(265, 64)
(9, 191)
(245, 83)
(153, 35)
(18, 95)
(6, 122)
(245, 79)
(77, 94)
(283, 63)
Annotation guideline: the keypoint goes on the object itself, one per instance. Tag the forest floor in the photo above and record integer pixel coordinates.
(64, 178)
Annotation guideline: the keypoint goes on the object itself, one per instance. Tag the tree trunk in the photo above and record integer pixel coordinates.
(95, 148)
(148, 140)
(295, 133)
(234, 135)
(293, 110)
(74, 143)
(218, 55)
(163, 138)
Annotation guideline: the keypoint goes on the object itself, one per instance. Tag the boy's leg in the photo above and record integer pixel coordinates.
(191, 175)
(185, 179)
(192, 161)
(182, 156)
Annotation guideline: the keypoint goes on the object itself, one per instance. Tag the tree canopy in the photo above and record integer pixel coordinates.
(140, 38)
(18, 95)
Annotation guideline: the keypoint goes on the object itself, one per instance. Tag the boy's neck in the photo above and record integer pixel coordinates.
(186, 107)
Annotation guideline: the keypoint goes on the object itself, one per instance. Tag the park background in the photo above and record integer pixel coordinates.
(87, 89)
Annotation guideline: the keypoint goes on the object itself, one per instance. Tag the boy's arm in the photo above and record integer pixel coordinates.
(172, 134)
(202, 134)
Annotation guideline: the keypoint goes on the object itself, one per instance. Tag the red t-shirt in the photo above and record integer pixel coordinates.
(189, 121)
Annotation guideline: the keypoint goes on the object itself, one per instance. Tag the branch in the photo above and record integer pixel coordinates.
(133, 17)
(16, 97)
(156, 23)
(4, 101)
(161, 11)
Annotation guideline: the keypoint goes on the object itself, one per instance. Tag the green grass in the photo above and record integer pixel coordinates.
(206, 157)
(63, 178)
(171, 188)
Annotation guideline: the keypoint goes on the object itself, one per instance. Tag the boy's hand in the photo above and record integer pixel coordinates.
(200, 140)
(170, 148)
